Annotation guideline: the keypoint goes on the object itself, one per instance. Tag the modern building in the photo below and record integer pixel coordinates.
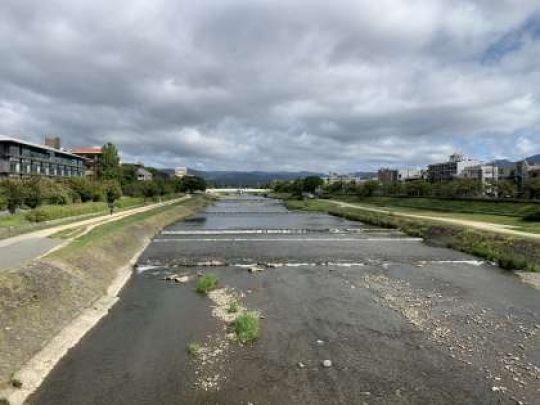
(91, 156)
(386, 175)
(143, 174)
(526, 171)
(439, 172)
(180, 172)
(19, 158)
(486, 174)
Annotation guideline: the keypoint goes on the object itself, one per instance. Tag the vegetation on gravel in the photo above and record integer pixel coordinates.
(247, 327)
(509, 252)
(234, 307)
(194, 349)
(206, 283)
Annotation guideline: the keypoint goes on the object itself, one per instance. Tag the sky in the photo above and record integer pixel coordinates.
(341, 85)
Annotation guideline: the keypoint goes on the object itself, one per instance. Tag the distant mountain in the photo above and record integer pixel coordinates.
(505, 163)
(244, 179)
(535, 159)
(365, 175)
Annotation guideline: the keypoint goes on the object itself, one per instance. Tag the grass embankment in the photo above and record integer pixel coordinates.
(519, 215)
(50, 215)
(38, 300)
(509, 252)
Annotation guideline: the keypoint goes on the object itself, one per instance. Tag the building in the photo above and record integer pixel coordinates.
(439, 172)
(91, 156)
(526, 171)
(21, 159)
(386, 175)
(53, 142)
(180, 172)
(409, 174)
(485, 174)
(143, 174)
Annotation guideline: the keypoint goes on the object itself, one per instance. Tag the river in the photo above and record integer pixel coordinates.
(401, 322)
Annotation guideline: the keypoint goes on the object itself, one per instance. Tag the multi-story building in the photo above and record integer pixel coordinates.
(91, 156)
(526, 171)
(446, 171)
(486, 174)
(386, 175)
(21, 159)
(180, 172)
(409, 174)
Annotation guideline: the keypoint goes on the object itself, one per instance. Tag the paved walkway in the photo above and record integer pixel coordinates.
(20, 249)
(484, 226)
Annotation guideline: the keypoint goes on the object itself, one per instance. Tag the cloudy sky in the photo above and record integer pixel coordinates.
(275, 85)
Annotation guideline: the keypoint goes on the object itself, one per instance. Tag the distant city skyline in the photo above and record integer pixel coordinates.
(340, 86)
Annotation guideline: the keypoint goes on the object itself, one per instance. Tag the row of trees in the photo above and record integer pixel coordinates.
(112, 181)
(459, 188)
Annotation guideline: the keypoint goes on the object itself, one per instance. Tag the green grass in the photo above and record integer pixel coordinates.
(194, 349)
(68, 233)
(206, 283)
(247, 327)
(234, 307)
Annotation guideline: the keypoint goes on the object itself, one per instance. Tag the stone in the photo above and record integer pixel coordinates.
(319, 342)
(326, 363)
(301, 365)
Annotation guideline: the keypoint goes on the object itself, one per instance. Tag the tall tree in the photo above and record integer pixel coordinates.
(109, 163)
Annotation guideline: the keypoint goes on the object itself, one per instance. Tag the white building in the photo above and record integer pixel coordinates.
(180, 171)
(483, 173)
(409, 174)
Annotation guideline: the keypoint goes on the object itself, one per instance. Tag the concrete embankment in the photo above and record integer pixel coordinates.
(49, 304)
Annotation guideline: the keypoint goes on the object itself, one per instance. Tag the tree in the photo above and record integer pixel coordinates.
(370, 187)
(533, 186)
(113, 191)
(14, 194)
(506, 189)
(190, 184)
(109, 163)
(312, 183)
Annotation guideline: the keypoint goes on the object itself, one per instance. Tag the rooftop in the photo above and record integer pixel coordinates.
(4, 138)
(86, 150)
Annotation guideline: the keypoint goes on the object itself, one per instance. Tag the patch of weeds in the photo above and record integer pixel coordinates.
(247, 327)
(194, 349)
(206, 283)
(16, 383)
(234, 307)
(4, 401)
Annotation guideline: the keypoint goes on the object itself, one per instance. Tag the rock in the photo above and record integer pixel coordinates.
(254, 269)
(326, 363)
(301, 365)
(319, 342)
(182, 280)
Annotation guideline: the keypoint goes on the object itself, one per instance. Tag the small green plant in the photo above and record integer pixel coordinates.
(206, 283)
(194, 349)
(247, 327)
(234, 307)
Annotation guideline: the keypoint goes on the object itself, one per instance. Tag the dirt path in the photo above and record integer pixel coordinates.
(22, 248)
(485, 226)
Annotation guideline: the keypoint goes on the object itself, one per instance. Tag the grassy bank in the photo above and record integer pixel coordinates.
(49, 215)
(511, 253)
(41, 298)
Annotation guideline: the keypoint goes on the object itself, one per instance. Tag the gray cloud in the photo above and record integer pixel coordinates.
(344, 85)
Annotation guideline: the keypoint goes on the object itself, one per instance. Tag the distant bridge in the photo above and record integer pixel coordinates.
(238, 190)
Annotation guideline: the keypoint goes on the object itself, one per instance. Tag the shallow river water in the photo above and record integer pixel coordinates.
(402, 322)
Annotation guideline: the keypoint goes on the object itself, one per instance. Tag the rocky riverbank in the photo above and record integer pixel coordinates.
(40, 301)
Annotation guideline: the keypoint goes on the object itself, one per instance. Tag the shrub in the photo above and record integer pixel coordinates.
(247, 327)
(233, 307)
(194, 349)
(37, 215)
(535, 217)
(206, 283)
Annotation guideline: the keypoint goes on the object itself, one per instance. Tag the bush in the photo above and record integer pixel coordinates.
(535, 217)
(247, 327)
(206, 283)
(37, 215)
(194, 349)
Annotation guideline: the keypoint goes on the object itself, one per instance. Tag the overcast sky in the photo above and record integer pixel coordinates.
(275, 85)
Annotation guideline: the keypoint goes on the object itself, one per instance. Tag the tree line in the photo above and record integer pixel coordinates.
(458, 188)
(112, 181)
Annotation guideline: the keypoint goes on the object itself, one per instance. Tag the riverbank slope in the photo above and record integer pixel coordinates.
(39, 300)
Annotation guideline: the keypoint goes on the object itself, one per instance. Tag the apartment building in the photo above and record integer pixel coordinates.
(439, 172)
(91, 159)
(19, 158)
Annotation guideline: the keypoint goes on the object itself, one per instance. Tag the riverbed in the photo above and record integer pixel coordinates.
(400, 321)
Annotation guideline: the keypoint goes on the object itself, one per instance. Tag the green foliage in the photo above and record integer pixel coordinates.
(194, 349)
(312, 183)
(189, 184)
(206, 283)
(85, 189)
(109, 163)
(247, 327)
(113, 191)
(14, 194)
(234, 307)
(533, 187)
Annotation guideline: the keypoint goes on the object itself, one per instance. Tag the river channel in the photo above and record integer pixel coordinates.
(401, 322)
